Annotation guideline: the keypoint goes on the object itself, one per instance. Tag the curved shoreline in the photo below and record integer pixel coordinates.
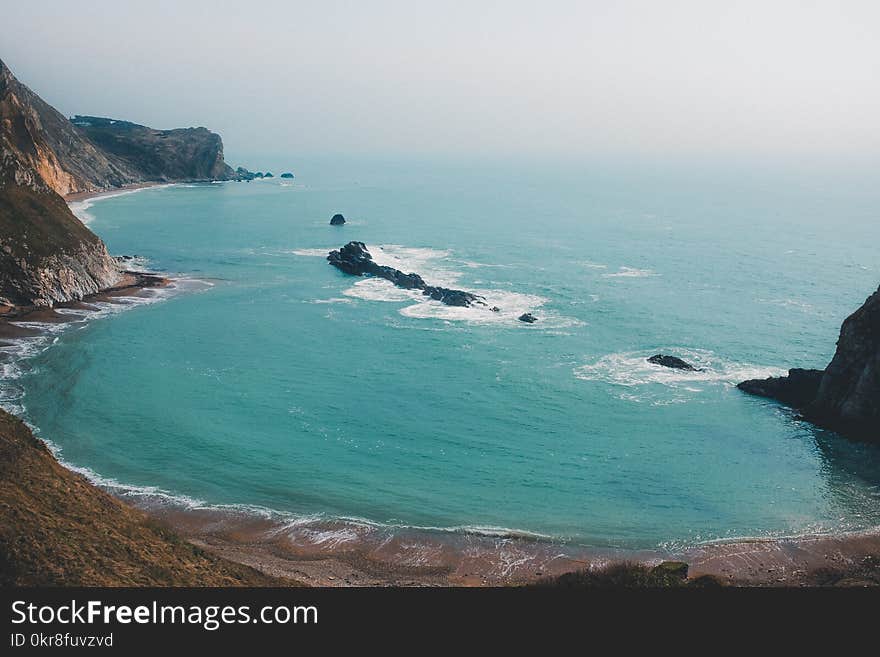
(334, 552)
(339, 552)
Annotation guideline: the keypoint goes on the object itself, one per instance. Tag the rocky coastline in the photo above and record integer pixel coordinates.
(59, 529)
(845, 396)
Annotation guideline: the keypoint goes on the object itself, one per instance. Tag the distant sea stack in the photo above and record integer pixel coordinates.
(287, 174)
(845, 396)
(337, 220)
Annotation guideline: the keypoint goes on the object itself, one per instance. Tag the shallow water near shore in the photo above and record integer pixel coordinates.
(279, 383)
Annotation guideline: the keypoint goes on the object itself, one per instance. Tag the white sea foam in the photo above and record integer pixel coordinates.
(439, 267)
(631, 272)
(435, 266)
(646, 382)
(379, 289)
(312, 253)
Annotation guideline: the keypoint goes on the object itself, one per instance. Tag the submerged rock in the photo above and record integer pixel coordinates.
(845, 396)
(528, 318)
(673, 362)
(337, 220)
(355, 259)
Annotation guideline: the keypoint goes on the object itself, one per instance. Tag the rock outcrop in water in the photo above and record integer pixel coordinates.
(355, 259)
(673, 362)
(528, 318)
(845, 396)
(337, 220)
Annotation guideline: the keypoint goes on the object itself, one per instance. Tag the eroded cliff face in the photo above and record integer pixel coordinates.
(47, 256)
(849, 393)
(92, 154)
(158, 155)
(845, 396)
(40, 139)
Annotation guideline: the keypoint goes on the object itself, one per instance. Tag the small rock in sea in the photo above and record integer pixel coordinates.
(528, 318)
(495, 309)
(268, 175)
(673, 362)
(337, 220)
(287, 174)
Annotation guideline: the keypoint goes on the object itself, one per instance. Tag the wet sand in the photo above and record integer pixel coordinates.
(338, 553)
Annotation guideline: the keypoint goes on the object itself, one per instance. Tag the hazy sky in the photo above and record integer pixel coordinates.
(660, 78)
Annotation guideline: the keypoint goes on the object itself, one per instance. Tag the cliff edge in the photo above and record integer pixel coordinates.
(845, 396)
(158, 155)
(47, 255)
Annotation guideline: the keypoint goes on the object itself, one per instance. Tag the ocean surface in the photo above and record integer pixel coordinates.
(266, 379)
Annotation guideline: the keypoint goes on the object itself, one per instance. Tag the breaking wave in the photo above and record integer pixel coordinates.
(641, 381)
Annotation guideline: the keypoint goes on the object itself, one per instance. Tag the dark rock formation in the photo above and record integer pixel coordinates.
(158, 155)
(287, 174)
(528, 318)
(845, 397)
(337, 220)
(797, 390)
(242, 173)
(850, 389)
(268, 174)
(355, 259)
(673, 362)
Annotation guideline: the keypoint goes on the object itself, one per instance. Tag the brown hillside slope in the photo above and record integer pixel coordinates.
(57, 529)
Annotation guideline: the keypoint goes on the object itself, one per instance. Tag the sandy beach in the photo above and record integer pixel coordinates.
(82, 196)
(338, 553)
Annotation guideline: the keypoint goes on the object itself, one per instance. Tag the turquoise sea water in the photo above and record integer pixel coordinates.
(268, 378)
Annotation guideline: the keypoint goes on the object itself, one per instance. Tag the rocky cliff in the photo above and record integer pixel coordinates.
(845, 396)
(37, 139)
(158, 155)
(46, 255)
